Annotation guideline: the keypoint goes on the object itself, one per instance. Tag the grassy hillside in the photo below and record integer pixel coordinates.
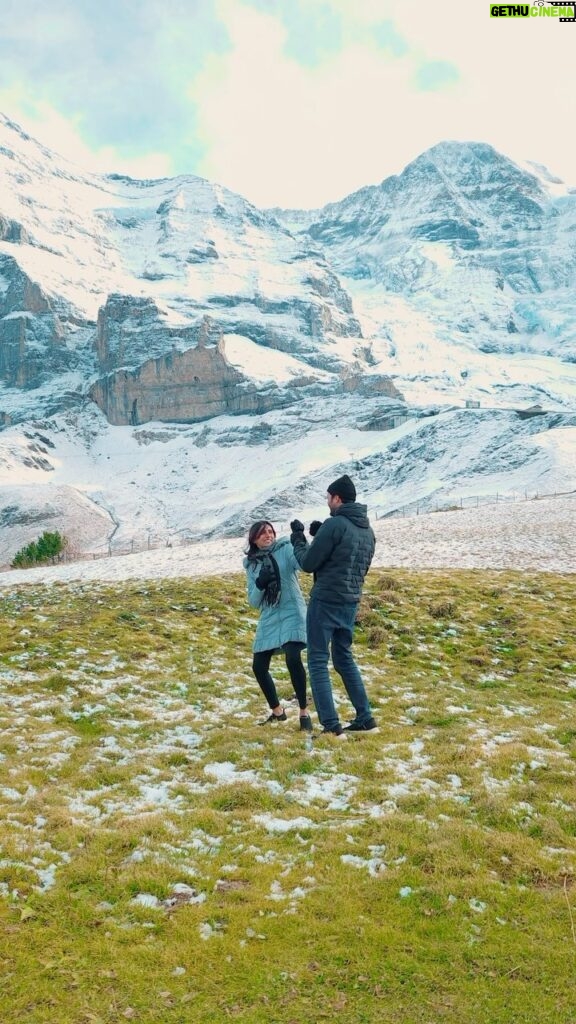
(166, 859)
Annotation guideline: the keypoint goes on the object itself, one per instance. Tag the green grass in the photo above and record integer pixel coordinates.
(165, 859)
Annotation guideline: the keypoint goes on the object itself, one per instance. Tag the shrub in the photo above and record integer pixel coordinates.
(47, 548)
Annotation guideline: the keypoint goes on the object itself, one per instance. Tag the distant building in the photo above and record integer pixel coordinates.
(394, 421)
(386, 422)
(472, 403)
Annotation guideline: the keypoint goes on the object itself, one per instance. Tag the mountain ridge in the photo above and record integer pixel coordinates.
(173, 333)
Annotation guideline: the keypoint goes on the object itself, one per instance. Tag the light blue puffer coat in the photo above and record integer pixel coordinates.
(278, 624)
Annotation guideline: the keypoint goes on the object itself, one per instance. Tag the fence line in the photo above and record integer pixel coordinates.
(471, 501)
(155, 542)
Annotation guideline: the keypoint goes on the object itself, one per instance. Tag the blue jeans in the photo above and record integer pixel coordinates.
(326, 625)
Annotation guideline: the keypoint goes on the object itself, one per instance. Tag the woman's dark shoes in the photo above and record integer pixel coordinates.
(305, 723)
(274, 718)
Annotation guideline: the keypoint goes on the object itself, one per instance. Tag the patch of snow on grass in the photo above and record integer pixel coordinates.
(272, 824)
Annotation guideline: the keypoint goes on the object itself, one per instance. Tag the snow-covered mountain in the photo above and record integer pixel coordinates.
(134, 283)
(174, 361)
(470, 254)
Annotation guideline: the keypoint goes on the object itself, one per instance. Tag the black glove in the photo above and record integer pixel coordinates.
(265, 576)
(296, 526)
(314, 527)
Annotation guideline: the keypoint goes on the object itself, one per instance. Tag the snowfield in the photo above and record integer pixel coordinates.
(537, 534)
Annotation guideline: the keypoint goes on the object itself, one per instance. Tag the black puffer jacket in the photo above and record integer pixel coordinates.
(340, 554)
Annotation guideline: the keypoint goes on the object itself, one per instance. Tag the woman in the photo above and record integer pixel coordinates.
(273, 588)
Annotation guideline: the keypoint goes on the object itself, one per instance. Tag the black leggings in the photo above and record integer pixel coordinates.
(261, 669)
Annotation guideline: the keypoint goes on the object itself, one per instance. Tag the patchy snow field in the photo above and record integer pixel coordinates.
(535, 534)
(141, 802)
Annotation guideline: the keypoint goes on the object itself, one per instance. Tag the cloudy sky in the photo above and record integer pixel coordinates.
(289, 102)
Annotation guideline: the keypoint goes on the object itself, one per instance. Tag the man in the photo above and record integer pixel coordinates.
(339, 556)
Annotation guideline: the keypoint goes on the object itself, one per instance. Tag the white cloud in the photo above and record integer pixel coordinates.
(518, 77)
(284, 132)
(281, 133)
(64, 136)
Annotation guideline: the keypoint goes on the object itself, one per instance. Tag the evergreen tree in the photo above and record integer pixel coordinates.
(46, 549)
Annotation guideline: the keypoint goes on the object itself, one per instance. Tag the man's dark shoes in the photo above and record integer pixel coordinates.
(274, 718)
(369, 725)
(336, 731)
(305, 723)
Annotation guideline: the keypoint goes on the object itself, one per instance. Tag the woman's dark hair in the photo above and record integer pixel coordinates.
(253, 534)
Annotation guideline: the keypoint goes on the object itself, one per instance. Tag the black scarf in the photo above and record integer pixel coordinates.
(273, 592)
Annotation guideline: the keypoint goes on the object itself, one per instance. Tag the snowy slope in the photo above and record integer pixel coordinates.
(162, 484)
(455, 279)
(526, 534)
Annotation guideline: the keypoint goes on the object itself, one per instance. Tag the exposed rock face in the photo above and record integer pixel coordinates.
(32, 337)
(130, 330)
(373, 385)
(181, 387)
(153, 370)
(12, 231)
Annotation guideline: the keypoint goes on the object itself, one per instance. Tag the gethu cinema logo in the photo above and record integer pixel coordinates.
(539, 10)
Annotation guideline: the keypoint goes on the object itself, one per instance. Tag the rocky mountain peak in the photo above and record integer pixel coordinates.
(468, 233)
(466, 174)
(464, 162)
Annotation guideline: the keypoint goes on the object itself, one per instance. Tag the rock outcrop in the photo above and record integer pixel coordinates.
(32, 337)
(181, 387)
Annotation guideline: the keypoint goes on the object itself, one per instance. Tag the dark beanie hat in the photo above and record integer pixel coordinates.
(344, 488)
